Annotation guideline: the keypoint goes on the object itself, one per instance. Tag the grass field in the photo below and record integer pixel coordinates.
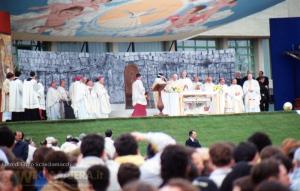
(210, 129)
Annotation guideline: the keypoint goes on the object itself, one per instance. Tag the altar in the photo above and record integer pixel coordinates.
(191, 103)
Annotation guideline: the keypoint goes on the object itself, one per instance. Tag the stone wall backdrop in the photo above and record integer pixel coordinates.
(66, 65)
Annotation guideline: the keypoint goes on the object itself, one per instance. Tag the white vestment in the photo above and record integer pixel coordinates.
(5, 100)
(30, 94)
(198, 86)
(185, 83)
(103, 100)
(208, 87)
(223, 98)
(52, 104)
(41, 96)
(91, 103)
(15, 96)
(138, 93)
(5, 96)
(171, 84)
(77, 95)
(63, 94)
(235, 99)
(252, 96)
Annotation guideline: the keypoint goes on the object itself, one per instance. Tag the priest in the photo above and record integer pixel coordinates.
(52, 102)
(185, 82)
(235, 98)
(77, 95)
(63, 98)
(5, 97)
(91, 101)
(252, 94)
(15, 98)
(42, 100)
(160, 79)
(30, 98)
(103, 98)
(209, 85)
(139, 101)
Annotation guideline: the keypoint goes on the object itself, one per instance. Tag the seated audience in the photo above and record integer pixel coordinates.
(21, 147)
(98, 178)
(260, 139)
(128, 172)
(192, 141)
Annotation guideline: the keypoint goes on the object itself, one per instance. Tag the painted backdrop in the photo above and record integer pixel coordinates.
(124, 20)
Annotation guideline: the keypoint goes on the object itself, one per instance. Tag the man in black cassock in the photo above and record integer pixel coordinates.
(264, 91)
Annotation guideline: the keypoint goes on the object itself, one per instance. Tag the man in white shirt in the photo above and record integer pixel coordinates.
(30, 98)
(252, 94)
(15, 98)
(52, 102)
(235, 98)
(139, 101)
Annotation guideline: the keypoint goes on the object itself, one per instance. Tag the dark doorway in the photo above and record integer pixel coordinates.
(129, 76)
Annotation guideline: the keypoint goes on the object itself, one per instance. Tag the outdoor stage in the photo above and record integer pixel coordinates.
(210, 129)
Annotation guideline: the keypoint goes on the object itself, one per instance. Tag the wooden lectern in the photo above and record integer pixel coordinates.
(160, 105)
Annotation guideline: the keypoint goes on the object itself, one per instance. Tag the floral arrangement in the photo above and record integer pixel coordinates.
(218, 88)
(175, 89)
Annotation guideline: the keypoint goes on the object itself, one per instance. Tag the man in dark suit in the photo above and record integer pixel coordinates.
(21, 147)
(192, 141)
(264, 91)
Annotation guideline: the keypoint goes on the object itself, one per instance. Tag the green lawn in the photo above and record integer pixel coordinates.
(210, 129)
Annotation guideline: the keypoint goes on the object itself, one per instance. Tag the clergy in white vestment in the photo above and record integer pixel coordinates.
(235, 98)
(77, 94)
(171, 83)
(6, 97)
(208, 85)
(185, 82)
(160, 79)
(91, 101)
(223, 96)
(64, 98)
(30, 98)
(197, 85)
(252, 94)
(42, 100)
(52, 102)
(103, 98)
(15, 98)
(139, 101)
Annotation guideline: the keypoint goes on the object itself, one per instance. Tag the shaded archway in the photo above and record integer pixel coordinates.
(129, 76)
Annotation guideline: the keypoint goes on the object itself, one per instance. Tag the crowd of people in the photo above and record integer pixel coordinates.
(101, 163)
(26, 100)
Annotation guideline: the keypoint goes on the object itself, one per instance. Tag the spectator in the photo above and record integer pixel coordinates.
(56, 163)
(295, 176)
(31, 149)
(8, 181)
(289, 146)
(245, 156)
(38, 162)
(150, 170)
(7, 137)
(269, 169)
(243, 184)
(25, 175)
(139, 186)
(127, 150)
(98, 178)
(171, 169)
(261, 140)
(270, 151)
(109, 144)
(221, 157)
(128, 172)
(21, 147)
(270, 185)
(192, 141)
(178, 184)
(92, 150)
